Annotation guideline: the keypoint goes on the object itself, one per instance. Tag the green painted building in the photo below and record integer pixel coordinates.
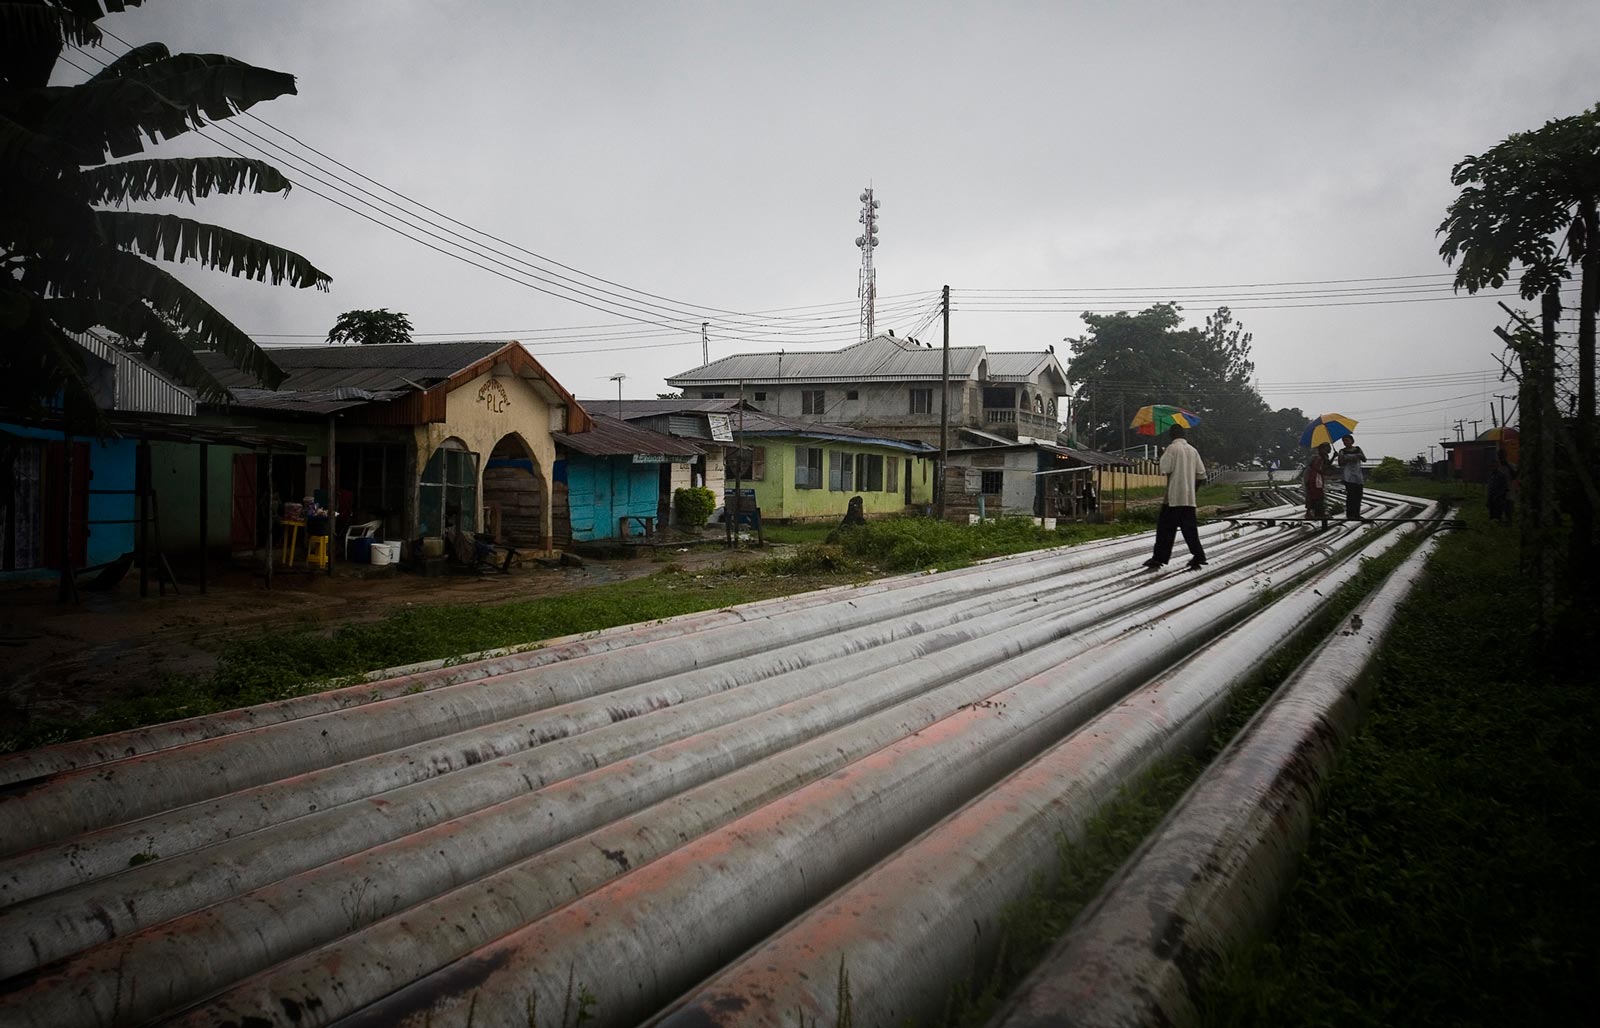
(803, 470)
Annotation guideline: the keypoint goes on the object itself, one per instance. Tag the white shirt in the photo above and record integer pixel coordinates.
(1181, 464)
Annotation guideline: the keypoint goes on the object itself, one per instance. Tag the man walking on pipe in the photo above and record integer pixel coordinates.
(1183, 467)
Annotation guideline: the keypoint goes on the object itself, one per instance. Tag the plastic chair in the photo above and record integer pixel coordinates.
(317, 551)
(363, 530)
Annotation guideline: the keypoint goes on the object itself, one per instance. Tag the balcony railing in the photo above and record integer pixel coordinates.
(1023, 421)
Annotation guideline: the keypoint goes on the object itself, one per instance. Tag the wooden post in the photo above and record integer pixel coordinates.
(333, 493)
(205, 503)
(67, 587)
(939, 483)
(266, 506)
(141, 484)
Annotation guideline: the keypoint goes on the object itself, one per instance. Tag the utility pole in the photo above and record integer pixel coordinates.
(1460, 427)
(1475, 422)
(867, 241)
(1503, 400)
(1430, 455)
(705, 344)
(944, 407)
(617, 378)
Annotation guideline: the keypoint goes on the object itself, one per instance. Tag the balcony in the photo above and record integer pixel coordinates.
(1008, 421)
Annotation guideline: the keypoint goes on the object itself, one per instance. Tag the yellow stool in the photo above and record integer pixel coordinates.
(291, 539)
(317, 551)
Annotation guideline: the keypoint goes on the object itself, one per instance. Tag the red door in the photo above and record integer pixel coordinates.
(245, 502)
(50, 506)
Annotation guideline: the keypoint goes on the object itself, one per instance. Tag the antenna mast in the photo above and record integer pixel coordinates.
(867, 240)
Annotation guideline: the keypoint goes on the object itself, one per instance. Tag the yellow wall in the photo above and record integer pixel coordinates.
(482, 412)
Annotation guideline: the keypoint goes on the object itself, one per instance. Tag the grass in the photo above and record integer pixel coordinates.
(309, 657)
(1450, 880)
(277, 665)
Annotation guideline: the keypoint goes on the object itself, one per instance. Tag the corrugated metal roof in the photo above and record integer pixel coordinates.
(756, 423)
(883, 358)
(1022, 366)
(611, 438)
(393, 367)
(139, 388)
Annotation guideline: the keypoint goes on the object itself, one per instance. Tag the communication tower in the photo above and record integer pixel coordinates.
(867, 240)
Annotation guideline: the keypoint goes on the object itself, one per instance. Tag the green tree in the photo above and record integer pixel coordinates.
(1128, 360)
(1530, 202)
(75, 258)
(379, 327)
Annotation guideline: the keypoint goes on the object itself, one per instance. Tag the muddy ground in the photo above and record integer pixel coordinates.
(60, 660)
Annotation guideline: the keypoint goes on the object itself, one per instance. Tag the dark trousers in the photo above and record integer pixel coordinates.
(1167, 525)
(1352, 499)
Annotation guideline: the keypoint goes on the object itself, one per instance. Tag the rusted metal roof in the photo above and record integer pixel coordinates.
(627, 410)
(611, 438)
(883, 358)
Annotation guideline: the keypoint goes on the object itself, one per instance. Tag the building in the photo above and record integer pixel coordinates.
(424, 438)
(705, 424)
(801, 470)
(612, 482)
(892, 387)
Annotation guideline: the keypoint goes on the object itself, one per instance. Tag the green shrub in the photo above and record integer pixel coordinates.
(694, 506)
(1390, 469)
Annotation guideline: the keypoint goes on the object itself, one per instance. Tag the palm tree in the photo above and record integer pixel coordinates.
(379, 326)
(71, 263)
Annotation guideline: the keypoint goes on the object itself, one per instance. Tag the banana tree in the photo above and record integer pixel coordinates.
(74, 257)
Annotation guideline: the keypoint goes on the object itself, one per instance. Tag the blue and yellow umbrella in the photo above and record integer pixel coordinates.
(1329, 428)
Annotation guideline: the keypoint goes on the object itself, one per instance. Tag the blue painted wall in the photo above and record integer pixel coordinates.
(111, 466)
(602, 490)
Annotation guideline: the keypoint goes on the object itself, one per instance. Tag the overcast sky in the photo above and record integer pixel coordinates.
(712, 154)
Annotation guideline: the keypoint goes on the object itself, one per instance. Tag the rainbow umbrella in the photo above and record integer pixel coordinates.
(1508, 438)
(1156, 418)
(1328, 429)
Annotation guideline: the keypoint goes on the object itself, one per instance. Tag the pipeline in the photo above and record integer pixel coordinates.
(921, 921)
(467, 758)
(1213, 874)
(58, 806)
(174, 959)
(585, 735)
(660, 927)
(380, 685)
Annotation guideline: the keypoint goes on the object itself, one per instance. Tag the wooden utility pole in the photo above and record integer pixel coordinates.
(944, 410)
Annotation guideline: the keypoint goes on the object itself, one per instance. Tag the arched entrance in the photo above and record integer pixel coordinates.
(513, 495)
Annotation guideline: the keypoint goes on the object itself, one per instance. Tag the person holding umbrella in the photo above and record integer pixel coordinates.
(1183, 467)
(1321, 434)
(1355, 479)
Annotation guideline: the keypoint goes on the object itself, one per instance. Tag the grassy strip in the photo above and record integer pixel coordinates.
(1032, 926)
(308, 657)
(1450, 880)
(281, 664)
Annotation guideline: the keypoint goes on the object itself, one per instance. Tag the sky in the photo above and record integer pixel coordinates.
(689, 162)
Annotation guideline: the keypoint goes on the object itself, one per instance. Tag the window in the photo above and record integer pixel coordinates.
(761, 397)
(706, 395)
(840, 477)
(993, 481)
(869, 472)
(812, 401)
(808, 467)
(922, 401)
(748, 464)
(852, 395)
(893, 485)
(1038, 404)
(448, 496)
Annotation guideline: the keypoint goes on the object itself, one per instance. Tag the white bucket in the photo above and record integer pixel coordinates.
(1049, 524)
(380, 553)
